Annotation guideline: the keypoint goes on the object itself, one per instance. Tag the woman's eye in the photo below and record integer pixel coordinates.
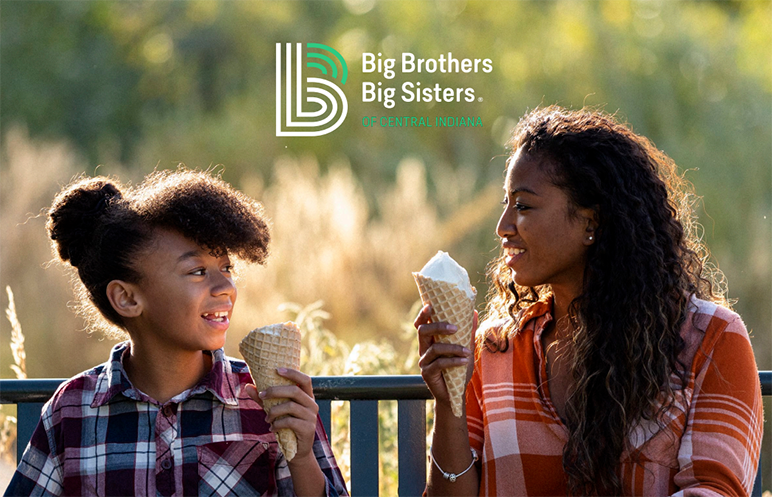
(198, 272)
(505, 201)
(521, 207)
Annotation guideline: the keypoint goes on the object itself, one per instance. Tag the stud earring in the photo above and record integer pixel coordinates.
(589, 237)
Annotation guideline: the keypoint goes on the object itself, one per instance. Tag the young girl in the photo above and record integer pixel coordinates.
(168, 413)
(609, 363)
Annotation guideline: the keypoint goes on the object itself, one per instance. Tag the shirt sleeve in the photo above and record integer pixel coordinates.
(720, 448)
(39, 471)
(335, 485)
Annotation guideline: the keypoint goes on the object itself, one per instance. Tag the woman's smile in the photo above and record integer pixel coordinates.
(512, 254)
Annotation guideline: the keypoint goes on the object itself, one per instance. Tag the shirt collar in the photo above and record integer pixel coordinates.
(541, 311)
(221, 381)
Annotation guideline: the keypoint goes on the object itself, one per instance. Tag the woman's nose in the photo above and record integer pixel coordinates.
(506, 226)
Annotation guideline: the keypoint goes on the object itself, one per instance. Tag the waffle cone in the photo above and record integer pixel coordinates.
(452, 305)
(265, 349)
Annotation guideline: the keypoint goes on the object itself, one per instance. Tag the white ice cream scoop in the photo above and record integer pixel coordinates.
(442, 267)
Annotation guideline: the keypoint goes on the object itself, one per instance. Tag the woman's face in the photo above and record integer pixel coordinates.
(543, 241)
(187, 295)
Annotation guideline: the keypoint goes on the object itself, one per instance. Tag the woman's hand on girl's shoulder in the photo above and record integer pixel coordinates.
(436, 356)
(298, 413)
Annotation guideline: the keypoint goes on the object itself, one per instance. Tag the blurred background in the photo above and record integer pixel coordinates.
(123, 88)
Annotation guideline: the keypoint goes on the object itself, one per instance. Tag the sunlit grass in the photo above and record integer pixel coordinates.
(8, 423)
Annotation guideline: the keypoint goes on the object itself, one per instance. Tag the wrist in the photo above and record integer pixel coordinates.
(444, 408)
(303, 461)
(452, 477)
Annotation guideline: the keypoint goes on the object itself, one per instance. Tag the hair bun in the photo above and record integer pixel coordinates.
(77, 214)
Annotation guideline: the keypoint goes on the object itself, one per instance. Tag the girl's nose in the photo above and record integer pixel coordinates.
(223, 284)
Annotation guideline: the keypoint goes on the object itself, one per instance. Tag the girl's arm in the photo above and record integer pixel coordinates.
(301, 416)
(450, 438)
(39, 471)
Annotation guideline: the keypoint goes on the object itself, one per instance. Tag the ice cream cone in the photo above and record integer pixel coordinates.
(265, 349)
(450, 304)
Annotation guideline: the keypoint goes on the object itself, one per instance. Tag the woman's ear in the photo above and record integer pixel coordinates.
(123, 298)
(590, 217)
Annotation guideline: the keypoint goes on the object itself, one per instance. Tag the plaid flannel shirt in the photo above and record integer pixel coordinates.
(709, 447)
(98, 435)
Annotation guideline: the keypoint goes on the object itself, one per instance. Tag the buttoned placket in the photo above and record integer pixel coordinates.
(165, 436)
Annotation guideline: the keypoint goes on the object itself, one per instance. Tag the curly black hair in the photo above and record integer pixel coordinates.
(646, 263)
(99, 227)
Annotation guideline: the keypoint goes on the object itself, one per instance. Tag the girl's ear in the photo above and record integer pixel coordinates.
(123, 298)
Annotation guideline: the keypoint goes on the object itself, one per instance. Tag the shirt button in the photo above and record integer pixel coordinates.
(166, 464)
(167, 411)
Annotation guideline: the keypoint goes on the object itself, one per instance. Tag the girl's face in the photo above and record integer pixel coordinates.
(544, 243)
(187, 295)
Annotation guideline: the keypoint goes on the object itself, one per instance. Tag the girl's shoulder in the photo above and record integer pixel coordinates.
(80, 390)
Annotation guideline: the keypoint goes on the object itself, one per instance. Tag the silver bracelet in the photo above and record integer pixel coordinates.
(451, 477)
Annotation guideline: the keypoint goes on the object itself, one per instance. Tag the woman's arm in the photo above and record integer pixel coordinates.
(720, 447)
(450, 438)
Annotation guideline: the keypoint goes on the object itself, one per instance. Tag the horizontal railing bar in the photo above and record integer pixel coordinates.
(371, 387)
(364, 387)
(29, 390)
(766, 382)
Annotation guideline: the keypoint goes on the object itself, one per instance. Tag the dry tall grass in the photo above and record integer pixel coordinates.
(19, 367)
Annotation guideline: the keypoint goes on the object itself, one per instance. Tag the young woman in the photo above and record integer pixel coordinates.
(609, 363)
(168, 413)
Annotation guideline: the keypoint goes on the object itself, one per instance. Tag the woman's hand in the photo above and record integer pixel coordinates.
(436, 356)
(299, 411)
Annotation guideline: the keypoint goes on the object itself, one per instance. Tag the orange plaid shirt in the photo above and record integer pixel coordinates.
(710, 446)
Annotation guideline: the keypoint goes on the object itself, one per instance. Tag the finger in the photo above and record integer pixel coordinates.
(299, 426)
(300, 379)
(428, 332)
(293, 409)
(424, 316)
(252, 392)
(438, 350)
(290, 392)
(443, 363)
(432, 329)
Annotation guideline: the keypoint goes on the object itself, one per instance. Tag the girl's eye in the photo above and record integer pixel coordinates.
(198, 272)
(521, 207)
(505, 201)
(228, 268)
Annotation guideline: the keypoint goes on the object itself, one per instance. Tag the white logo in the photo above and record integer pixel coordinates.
(306, 106)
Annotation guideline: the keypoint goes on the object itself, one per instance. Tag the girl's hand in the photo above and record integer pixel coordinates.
(300, 409)
(436, 356)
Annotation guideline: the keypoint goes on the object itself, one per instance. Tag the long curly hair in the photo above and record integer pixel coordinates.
(646, 263)
(99, 227)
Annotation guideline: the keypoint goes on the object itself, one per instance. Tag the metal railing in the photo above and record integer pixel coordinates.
(362, 393)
